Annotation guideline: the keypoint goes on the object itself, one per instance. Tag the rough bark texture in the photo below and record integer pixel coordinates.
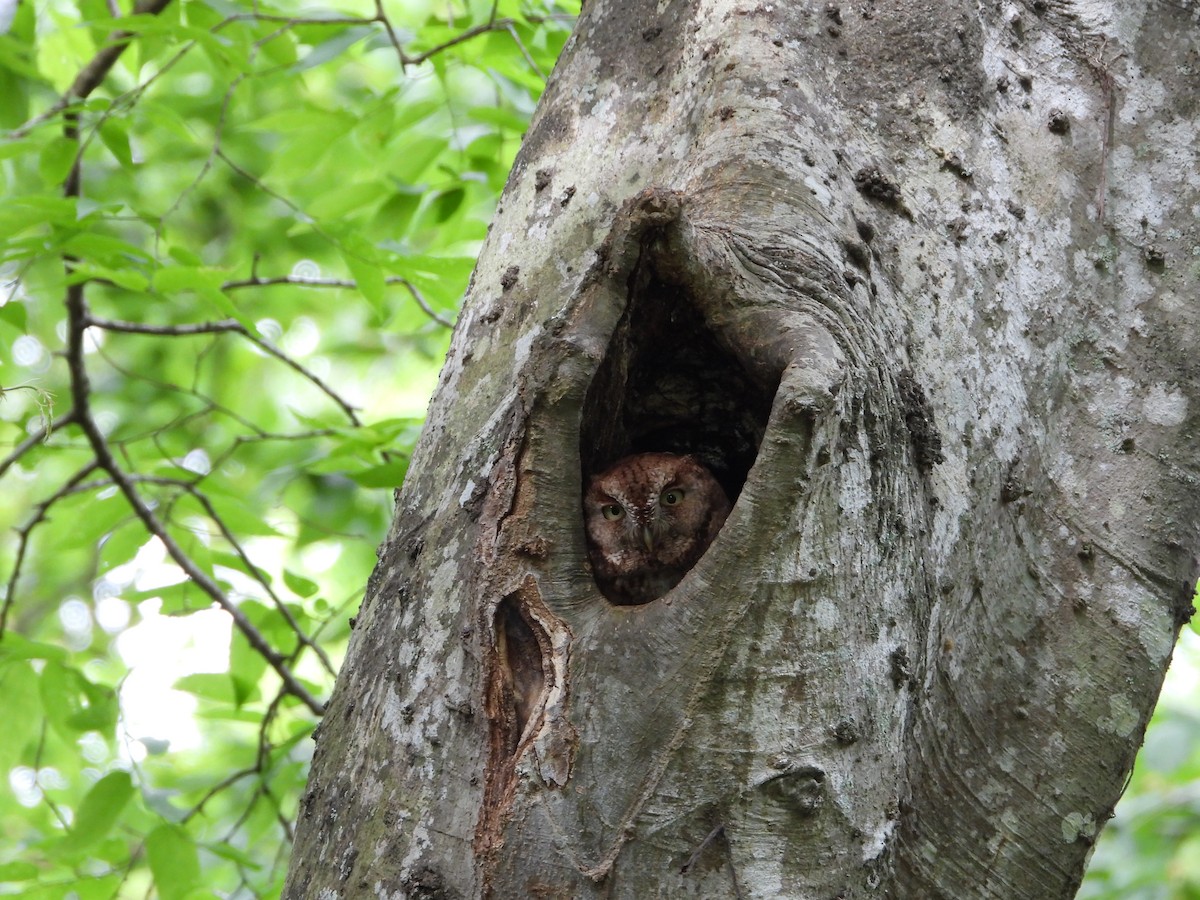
(919, 280)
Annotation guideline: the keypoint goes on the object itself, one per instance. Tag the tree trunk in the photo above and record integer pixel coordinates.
(918, 280)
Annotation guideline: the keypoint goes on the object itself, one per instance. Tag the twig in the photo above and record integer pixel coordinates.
(92, 74)
(34, 439)
(460, 38)
(512, 32)
(221, 785)
(226, 325)
(380, 16)
(416, 295)
(233, 542)
(77, 323)
(71, 486)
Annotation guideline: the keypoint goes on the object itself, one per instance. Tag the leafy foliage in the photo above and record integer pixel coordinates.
(275, 218)
(233, 239)
(1151, 848)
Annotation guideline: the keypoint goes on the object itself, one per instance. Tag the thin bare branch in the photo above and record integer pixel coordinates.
(40, 511)
(461, 38)
(421, 302)
(228, 325)
(92, 74)
(381, 17)
(252, 570)
(512, 32)
(37, 437)
(78, 321)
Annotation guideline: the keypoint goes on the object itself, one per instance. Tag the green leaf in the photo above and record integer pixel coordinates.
(502, 117)
(103, 249)
(18, 871)
(19, 213)
(447, 203)
(246, 666)
(115, 135)
(13, 315)
(174, 862)
(228, 851)
(337, 204)
(170, 279)
(388, 475)
(334, 47)
(56, 160)
(208, 685)
(16, 646)
(299, 585)
(23, 711)
(73, 704)
(202, 281)
(17, 58)
(130, 279)
(414, 156)
(99, 812)
(363, 262)
(185, 256)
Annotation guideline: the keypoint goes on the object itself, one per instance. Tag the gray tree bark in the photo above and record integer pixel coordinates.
(919, 280)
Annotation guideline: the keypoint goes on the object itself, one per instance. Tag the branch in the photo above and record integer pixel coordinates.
(92, 75)
(39, 516)
(240, 552)
(32, 441)
(338, 283)
(78, 320)
(462, 37)
(225, 325)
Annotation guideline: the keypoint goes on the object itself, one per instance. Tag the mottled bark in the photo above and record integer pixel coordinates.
(919, 281)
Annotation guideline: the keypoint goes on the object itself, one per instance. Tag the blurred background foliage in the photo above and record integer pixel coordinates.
(276, 215)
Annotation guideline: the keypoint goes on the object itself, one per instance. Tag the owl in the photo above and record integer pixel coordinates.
(649, 518)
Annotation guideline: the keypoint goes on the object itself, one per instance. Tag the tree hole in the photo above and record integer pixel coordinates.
(522, 674)
(666, 385)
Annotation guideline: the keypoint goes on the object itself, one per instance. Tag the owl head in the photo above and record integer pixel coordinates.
(649, 518)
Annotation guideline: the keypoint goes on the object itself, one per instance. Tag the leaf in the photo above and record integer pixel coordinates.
(202, 281)
(73, 704)
(23, 711)
(18, 871)
(246, 665)
(414, 156)
(337, 204)
(299, 585)
(17, 646)
(115, 135)
(207, 685)
(501, 117)
(447, 203)
(363, 262)
(104, 249)
(129, 279)
(56, 160)
(19, 213)
(388, 475)
(174, 861)
(98, 812)
(233, 854)
(13, 315)
(171, 279)
(334, 47)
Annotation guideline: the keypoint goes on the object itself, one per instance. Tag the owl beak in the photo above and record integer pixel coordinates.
(648, 538)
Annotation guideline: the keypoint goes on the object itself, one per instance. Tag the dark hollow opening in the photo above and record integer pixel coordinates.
(667, 385)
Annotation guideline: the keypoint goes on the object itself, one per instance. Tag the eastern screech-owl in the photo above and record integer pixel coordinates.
(649, 518)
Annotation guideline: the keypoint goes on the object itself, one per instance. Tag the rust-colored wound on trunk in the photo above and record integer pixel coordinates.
(514, 698)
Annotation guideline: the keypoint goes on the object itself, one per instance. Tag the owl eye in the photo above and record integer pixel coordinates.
(671, 497)
(612, 511)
